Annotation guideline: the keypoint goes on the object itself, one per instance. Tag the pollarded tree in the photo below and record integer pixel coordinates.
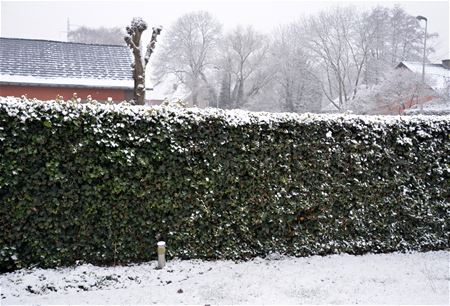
(133, 40)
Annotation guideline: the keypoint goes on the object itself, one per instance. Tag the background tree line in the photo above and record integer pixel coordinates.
(323, 59)
(340, 57)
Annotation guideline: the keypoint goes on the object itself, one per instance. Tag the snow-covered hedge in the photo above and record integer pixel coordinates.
(102, 183)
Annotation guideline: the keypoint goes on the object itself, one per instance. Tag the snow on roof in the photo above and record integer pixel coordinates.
(57, 63)
(72, 82)
(437, 73)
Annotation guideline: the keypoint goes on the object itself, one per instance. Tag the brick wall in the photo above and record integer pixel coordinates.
(50, 93)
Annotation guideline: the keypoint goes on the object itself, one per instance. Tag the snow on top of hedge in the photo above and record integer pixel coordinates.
(26, 109)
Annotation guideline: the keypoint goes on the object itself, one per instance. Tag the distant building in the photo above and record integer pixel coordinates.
(437, 81)
(43, 69)
(438, 75)
(436, 91)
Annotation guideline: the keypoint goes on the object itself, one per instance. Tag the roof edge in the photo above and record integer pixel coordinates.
(65, 85)
(62, 42)
(21, 80)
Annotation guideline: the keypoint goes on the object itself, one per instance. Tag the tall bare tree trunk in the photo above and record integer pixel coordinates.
(195, 92)
(211, 92)
(240, 93)
(133, 40)
(138, 72)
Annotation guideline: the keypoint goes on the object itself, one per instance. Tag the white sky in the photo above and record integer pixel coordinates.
(48, 19)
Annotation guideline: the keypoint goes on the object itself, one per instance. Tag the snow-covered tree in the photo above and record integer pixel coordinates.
(226, 77)
(133, 40)
(296, 88)
(188, 52)
(379, 59)
(337, 43)
(397, 36)
(405, 37)
(400, 89)
(354, 49)
(330, 56)
(244, 63)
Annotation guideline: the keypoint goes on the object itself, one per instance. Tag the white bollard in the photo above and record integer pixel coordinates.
(161, 254)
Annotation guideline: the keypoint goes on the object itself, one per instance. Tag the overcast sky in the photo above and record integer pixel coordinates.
(48, 19)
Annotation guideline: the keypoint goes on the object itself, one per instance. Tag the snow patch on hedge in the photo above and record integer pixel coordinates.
(26, 109)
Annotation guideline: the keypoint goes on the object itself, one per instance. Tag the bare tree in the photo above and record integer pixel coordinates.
(339, 42)
(108, 36)
(405, 36)
(188, 53)
(133, 40)
(244, 65)
(295, 84)
(397, 36)
(354, 49)
(331, 56)
(378, 60)
(226, 78)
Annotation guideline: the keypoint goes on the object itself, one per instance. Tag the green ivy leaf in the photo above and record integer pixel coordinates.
(47, 124)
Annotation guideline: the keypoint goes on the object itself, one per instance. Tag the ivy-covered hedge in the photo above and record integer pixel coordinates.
(103, 183)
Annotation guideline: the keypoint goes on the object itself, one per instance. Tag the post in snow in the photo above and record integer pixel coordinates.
(161, 254)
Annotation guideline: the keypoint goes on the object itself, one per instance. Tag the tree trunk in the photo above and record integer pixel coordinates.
(225, 92)
(288, 101)
(138, 66)
(211, 91)
(195, 92)
(133, 40)
(139, 79)
(240, 94)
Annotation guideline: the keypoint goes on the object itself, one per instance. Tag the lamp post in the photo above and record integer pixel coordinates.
(424, 54)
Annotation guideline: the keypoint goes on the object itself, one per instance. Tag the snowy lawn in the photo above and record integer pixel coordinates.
(415, 278)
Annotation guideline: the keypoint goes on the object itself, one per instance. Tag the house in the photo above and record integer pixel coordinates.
(410, 92)
(44, 69)
(438, 75)
(436, 90)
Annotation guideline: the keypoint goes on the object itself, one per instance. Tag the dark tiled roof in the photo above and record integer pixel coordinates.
(60, 61)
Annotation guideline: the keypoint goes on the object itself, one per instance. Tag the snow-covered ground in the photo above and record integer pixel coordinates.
(415, 278)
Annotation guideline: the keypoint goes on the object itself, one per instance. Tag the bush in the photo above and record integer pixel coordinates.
(104, 183)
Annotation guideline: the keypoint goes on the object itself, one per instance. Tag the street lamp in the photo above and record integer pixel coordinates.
(424, 54)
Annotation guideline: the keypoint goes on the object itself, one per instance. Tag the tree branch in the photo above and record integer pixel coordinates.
(152, 44)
